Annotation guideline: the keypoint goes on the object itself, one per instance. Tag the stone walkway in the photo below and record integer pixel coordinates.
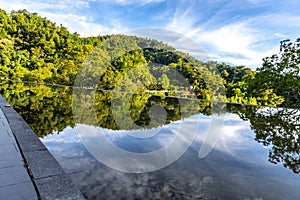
(15, 183)
(18, 143)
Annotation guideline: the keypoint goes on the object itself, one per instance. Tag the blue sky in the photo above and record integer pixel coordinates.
(240, 32)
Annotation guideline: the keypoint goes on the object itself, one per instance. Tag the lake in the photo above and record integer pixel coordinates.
(150, 146)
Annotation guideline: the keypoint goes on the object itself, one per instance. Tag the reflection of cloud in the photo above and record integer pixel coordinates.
(242, 174)
(141, 140)
(237, 139)
(64, 145)
(198, 178)
(62, 137)
(138, 154)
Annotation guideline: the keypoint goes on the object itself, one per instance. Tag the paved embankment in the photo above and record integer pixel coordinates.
(21, 154)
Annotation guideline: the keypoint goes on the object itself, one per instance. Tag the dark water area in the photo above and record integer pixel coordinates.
(205, 150)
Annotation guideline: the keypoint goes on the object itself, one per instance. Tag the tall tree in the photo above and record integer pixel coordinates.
(281, 73)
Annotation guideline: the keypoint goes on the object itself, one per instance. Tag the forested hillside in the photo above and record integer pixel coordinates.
(36, 50)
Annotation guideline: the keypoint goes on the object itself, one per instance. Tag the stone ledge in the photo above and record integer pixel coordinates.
(51, 180)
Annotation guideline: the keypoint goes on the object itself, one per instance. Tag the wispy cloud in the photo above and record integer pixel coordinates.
(234, 38)
(37, 5)
(228, 39)
(183, 19)
(249, 40)
(68, 14)
(242, 41)
(233, 43)
(85, 26)
(238, 32)
(130, 2)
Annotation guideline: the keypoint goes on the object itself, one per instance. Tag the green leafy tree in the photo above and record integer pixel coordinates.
(281, 73)
(164, 81)
(240, 83)
(34, 49)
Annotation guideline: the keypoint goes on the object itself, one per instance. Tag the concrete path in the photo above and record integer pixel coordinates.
(15, 183)
(20, 145)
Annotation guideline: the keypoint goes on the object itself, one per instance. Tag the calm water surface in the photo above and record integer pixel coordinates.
(237, 168)
(256, 155)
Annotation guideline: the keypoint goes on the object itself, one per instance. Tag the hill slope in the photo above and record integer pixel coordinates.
(34, 49)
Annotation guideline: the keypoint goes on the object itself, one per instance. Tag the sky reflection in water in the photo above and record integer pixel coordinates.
(237, 167)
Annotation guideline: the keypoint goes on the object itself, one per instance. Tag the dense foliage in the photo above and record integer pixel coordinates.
(34, 49)
(144, 72)
(281, 74)
(241, 87)
(48, 109)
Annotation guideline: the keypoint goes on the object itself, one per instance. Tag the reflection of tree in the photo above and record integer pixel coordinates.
(47, 109)
(128, 111)
(280, 129)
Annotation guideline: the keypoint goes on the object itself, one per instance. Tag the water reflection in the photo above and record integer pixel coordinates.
(128, 111)
(237, 168)
(46, 109)
(278, 129)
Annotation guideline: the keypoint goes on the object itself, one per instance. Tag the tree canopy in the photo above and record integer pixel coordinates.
(280, 73)
(34, 49)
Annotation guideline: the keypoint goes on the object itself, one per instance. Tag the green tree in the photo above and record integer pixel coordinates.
(34, 49)
(164, 81)
(281, 73)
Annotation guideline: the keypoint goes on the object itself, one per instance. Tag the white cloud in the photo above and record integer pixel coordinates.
(235, 38)
(236, 43)
(244, 42)
(65, 14)
(37, 5)
(257, 1)
(281, 21)
(130, 2)
(183, 21)
(85, 26)
(229, 39)
(250, 40)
